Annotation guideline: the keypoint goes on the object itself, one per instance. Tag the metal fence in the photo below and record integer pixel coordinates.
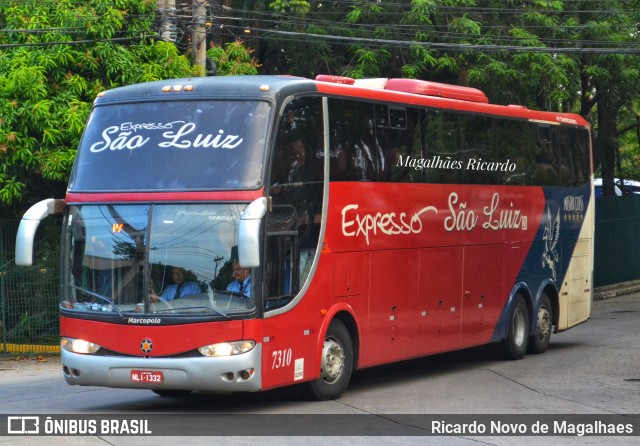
(29, 318)
(617, 240)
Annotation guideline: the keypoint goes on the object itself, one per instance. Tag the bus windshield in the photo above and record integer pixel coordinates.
(182, 145)
(165, 258)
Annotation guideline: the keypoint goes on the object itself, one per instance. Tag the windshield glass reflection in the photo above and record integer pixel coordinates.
(170, 259)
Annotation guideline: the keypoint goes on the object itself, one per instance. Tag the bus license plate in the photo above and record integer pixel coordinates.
(146, 376)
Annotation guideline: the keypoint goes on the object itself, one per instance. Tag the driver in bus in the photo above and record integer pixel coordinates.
(241, 280)
(179, 289)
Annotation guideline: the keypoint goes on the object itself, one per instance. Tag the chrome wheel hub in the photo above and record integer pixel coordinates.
(332, 363)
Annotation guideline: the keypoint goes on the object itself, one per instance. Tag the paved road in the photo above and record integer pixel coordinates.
(591, 369)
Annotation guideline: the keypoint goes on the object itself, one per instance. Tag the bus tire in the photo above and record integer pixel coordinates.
(517, 341)
(544, 326)
(336, 364)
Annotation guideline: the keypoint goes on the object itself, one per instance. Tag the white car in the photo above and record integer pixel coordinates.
(626, 187)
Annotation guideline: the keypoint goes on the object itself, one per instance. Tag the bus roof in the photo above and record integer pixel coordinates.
(249, 87)
(399, 91)
(433, 94)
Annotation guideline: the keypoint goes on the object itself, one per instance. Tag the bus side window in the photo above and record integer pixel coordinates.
(398, 135)
(579, 143)
(513, 145)
(442, 141)
(354, 151)
(565, 167)
(545, 157)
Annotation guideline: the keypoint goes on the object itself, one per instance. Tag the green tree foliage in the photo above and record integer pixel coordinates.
(291, 6)
(55, 56)
(545, 54)
(233, 59)
(558, 55)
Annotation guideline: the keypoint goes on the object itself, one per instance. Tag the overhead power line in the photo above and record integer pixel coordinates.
(74, 42)
(266, 24)
(400, 34)
(441, 45)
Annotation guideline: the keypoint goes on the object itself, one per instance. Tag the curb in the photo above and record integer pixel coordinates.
(619, 289)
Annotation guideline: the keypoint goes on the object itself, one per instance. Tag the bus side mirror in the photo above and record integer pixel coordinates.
(28, 226)
(249, 233)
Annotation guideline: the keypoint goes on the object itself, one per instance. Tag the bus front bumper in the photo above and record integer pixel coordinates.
(238, 373)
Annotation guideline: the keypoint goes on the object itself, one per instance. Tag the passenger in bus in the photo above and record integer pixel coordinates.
(292, 161)
(289, 163)
(241, 280)
(176, 290)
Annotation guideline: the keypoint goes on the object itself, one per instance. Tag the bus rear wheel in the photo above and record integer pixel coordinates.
(544, 326)
(517, 341)
(336, 364)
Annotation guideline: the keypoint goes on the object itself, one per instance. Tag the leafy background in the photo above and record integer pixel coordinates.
(55, 56)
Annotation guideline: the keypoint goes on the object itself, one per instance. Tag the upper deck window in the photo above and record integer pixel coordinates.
(186, 145)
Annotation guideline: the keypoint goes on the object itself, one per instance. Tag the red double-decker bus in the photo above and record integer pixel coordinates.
(245, 233)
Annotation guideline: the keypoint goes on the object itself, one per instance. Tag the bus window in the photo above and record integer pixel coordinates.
(442, 144)
(216, 144)
(515, 145)
(571, 145)
(293, 224)
(281, 269)
(398, 136)
(156, 259)
(355, 155)
(477, 148)
(546, 158)
(580, 153)
(564, 156)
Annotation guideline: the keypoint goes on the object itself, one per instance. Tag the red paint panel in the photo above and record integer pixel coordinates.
(393, 306)
(370, 216)
(441, 260)
(489, 274)
(289, 346)
(440, 282)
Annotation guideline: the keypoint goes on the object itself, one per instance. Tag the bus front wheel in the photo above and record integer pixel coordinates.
(517, 341)
(336, 364)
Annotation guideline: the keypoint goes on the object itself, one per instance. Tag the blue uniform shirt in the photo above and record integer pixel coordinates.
(242, 288)
(176, 291)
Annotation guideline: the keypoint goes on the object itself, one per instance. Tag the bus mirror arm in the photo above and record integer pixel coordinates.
(28, 226)
(249, 233)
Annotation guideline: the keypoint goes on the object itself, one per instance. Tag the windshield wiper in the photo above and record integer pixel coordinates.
(219, 313)
(100, 296)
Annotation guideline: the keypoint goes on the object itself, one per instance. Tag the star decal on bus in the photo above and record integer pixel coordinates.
(146, 346)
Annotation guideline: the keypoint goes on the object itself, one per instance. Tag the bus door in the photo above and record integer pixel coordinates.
(292, 237)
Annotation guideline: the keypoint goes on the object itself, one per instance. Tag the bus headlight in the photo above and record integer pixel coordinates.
(79, 346)
(227, 348)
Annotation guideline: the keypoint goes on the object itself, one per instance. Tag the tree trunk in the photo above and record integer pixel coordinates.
(606, 143)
